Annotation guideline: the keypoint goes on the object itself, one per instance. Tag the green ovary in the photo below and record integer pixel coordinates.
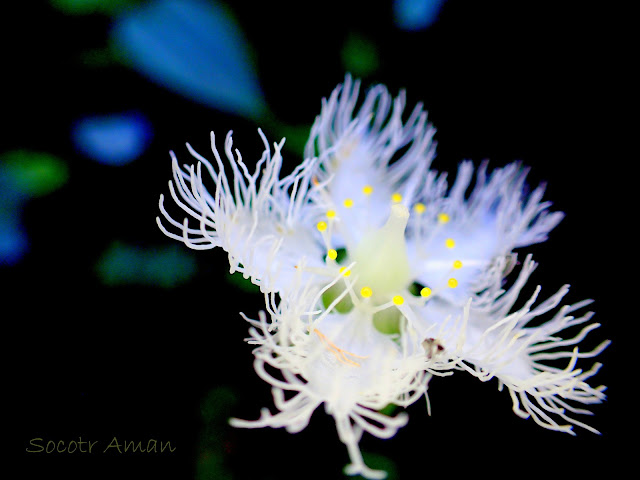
(345, 305)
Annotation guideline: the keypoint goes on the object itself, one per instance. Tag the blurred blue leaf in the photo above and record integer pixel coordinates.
(194, 48)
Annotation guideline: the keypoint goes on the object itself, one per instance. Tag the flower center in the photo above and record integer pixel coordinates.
(382, 264)
(382, 270)
(382, 279)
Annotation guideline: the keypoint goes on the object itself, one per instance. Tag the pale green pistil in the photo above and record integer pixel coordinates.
(382, 270)
(381, 258)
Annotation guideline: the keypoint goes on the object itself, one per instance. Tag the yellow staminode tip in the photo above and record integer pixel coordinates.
(366, 292)
(450, 242)
(398, 300)
(419, 208)
(332, 254)
(396, 198)
(348, 203)
(367, 189)
(331, 214)
(443, 218)
(457, 264)
(345, 272)
(321, 226)
(453, 283)
(425, 292)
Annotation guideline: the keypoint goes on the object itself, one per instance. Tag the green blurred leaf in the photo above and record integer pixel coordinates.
(34, 173)
(87, 7)
(359, 55)
(128, 265)
(242, 283)
(217, 404)
(379, 462)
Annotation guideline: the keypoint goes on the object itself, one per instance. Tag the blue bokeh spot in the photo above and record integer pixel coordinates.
(13, 241)
(415, 15)
(114, 139)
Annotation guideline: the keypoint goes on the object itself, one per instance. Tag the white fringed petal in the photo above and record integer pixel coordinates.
(488, 223)
(490, 342)
(340, 361)
(259, 219)
(359, 151)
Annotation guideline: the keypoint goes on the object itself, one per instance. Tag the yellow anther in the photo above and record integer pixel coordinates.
(453, 283)
(332, 254)
(398, 300)
(450, 242)
(443, 218)
(366, 292)
(331, 214)
(321, 226)
(425, 292)
(345, 272)
(419, 208)
(367, 189)
(396, 198)
(457, 264)
(348, 203)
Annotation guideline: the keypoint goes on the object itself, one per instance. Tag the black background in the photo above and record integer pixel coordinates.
(504, 81)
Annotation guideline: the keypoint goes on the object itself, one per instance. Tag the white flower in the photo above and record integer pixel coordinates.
(379, 275)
